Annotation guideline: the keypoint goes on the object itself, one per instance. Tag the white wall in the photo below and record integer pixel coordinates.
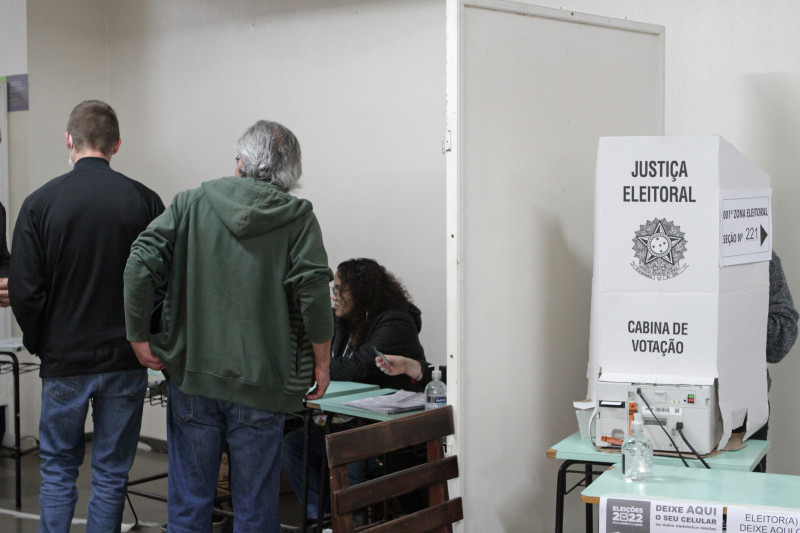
(13, 40)
(362, 85)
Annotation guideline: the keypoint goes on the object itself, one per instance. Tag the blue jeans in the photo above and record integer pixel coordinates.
(196, 429)
(117, 402)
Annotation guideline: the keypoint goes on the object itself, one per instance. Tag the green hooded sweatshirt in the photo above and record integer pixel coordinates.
(247, 289)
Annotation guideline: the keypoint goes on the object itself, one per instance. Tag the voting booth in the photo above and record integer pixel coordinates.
(680, 290)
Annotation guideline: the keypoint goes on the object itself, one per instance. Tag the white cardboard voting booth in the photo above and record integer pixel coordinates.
(681, 273)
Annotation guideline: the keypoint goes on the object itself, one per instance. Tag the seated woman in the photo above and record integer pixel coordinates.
(372, 311)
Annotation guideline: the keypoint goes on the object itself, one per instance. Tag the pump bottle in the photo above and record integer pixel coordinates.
(637, 453)
(435, 391)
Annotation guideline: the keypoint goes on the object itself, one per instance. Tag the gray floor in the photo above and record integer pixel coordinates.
(151, 513)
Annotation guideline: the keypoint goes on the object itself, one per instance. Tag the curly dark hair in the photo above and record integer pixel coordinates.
(373, 290)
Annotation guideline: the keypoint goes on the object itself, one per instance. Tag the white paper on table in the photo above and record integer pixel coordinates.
(398, 402)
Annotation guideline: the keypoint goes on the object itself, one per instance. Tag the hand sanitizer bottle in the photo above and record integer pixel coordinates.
(637, 453)
(436, 391)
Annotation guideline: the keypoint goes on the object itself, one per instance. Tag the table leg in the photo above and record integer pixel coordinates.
(561, 491)
(589, 509)
(17, 442)
(306, 440)
(323, 486)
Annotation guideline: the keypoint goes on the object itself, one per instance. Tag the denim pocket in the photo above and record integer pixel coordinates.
(256, 417)
(136, 384)
(180, 404)
(62, 388)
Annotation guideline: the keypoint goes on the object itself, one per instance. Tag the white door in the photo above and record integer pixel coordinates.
(529, 92)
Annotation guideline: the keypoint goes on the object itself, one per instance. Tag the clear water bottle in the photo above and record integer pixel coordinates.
(436, 391)
(637, 453)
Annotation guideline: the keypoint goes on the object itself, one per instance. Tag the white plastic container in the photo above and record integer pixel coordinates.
(637, 453)
(435, 391)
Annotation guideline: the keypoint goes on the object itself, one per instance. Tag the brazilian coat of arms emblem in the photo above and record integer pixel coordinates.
(659, 247)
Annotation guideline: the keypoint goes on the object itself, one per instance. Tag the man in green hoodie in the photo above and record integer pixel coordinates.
(244, 327)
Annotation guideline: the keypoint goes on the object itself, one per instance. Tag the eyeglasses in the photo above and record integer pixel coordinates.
(338, 290)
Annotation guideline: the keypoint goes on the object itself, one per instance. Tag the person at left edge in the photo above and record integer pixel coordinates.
(4, 255)
(71, 242)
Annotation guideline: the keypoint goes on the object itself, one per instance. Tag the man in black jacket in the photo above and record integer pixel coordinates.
(71, 242)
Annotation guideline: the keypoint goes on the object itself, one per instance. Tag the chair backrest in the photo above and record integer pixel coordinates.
(376, 439)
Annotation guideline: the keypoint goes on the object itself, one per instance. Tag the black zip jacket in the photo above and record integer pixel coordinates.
(71, 242)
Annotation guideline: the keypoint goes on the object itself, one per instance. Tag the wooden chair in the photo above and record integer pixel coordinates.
(376, 439)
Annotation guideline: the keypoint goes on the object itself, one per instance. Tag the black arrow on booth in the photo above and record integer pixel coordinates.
(763, 235)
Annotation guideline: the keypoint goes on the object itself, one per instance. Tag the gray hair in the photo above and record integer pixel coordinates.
(270, 152)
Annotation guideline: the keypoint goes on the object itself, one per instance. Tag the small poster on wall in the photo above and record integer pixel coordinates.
(18, 92)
